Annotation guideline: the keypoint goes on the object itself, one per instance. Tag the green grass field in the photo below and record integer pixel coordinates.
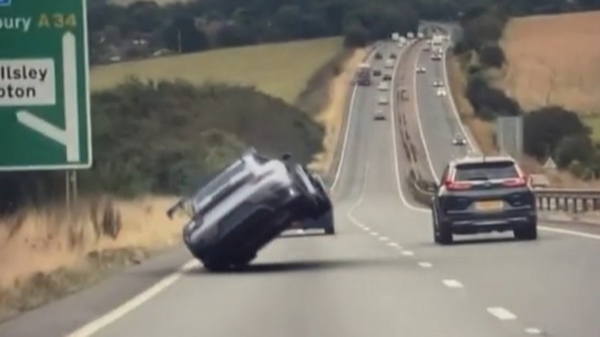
(280, 69)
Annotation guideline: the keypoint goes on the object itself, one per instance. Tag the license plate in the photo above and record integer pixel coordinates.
(489, 205)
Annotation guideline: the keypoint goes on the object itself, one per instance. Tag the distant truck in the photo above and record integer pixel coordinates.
(410, 35)
(363, 75)
(436, 40)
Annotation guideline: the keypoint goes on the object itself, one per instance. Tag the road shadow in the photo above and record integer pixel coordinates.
(295, 234)
(302, 266)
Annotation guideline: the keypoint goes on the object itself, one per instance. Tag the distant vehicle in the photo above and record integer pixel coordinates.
(436, 56)
(441, 92)
(410, 35)
(459, 141)
(383, 100)
(436, 40)
(363, 76)
(376, 72)
(247, 205)
(438, 84)
(480, 194)
(420, 70)
(378, 56)
(379, 114)
(384, 86)
(420, 36)
(393, 56)
(389, 63)
(387, 77)
(427, 48)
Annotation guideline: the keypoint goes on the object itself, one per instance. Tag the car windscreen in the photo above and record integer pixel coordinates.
(486, 171)
(221, 179)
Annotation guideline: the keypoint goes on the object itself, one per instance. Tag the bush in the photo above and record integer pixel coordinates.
(168, 137)
(545, 128)
(356, 36)
(489, 102)
(491, 55)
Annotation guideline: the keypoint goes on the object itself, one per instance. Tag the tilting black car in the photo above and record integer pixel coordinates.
(247, 205)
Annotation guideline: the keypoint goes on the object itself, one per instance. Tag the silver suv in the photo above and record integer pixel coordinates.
(247, 205)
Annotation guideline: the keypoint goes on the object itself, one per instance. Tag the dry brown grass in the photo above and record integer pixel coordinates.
(42, 241)
(332, 115)
(45, 255)
(554, 59)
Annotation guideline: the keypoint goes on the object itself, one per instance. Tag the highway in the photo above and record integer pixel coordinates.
(550, 283)
(380, 275)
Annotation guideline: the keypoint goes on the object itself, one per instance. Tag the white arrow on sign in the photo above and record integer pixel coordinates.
(69, 137)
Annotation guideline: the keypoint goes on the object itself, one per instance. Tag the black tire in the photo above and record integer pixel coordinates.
(243, 262)
(216, 267)
(528, 233)
(441, 234)
(330, 230)
(445, 235)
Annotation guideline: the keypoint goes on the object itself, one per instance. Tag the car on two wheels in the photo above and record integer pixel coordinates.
(247, 205)
(479, 194)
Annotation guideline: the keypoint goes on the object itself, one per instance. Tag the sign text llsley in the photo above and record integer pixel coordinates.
(27, 82)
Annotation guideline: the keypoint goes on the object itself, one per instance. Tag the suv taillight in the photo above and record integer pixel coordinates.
(516, 182)
(457, 185)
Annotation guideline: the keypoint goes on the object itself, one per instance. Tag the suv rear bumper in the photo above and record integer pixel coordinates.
(486, 222)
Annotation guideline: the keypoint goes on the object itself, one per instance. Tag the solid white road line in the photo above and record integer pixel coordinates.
(425, 264)
(501, 313)
(452, 284)
(94, 326)
(570, 232)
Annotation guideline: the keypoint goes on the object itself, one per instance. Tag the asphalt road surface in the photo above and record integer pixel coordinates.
(381, 275)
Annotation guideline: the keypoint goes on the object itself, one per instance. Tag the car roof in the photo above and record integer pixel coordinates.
(472, 159)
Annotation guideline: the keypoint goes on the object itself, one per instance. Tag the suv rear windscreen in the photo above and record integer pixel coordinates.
(486, 171)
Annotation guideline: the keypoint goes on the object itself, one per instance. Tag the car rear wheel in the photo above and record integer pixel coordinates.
(527, 233)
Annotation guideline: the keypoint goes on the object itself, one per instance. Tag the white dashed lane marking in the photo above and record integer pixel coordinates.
(452, 284)
(501, 313)
(425, 264)
(407, 253)
(393, 244)
(533, 331)
(383, 238)
(374, 234)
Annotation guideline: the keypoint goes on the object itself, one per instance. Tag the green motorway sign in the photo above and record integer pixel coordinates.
(44, 92)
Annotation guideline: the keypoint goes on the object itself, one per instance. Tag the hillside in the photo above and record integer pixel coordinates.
(554, 59)
(280, 69)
